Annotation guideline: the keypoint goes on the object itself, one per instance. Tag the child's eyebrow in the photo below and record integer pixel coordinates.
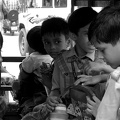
(57, 38)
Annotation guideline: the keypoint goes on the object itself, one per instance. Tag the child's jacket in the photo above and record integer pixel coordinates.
(67, 67)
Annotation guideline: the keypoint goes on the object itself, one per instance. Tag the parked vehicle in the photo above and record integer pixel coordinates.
(11, 22)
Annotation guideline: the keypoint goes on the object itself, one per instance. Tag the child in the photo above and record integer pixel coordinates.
(32, 91)
(104, 33)
(64, 75)
(3, 103)
(55, 36)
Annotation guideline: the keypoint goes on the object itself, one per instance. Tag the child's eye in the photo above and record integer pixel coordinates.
(46, 43)
(102, 50)
(57, 42)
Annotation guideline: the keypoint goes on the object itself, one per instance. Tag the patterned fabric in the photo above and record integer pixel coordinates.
(40, 112)
(59, 78)
(71, 67)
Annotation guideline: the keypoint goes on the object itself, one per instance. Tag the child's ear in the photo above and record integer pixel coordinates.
(73, 36)
(70, 43)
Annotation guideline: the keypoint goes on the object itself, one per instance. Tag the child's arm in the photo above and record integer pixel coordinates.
(54, 99)
(98, 66)
(89, 80)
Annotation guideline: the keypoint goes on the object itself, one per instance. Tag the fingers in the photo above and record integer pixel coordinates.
(83, 76)
(50, 108)
(81, 79)
(86, 80)
(93, 66)
(92, 105)
(77, 82)
(52, 102)
(96, 99)
(89, 110)
(90, 102)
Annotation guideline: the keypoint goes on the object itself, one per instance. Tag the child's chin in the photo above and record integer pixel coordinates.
(53, 56)
(114, 66)
(91, 50)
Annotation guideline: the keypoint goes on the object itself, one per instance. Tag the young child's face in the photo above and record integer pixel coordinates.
(82, 40)
(53, 44)
(110, 53)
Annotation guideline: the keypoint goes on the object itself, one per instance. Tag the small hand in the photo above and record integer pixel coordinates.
(52, 102)
(89, 80)
(92, 105)
(80, 77)
(93, 66)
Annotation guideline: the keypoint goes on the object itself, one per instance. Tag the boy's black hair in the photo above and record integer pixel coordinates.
(80, 18)
(34, 39)
(106, 27)
(1, 39)
(55, 25)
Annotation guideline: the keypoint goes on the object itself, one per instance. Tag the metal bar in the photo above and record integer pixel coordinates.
(6, 88)
(12, 59)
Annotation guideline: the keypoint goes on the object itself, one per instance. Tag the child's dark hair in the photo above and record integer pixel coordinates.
(80, 18)
(106, 27)
(34, 40)
(55, 25)
(1, 39)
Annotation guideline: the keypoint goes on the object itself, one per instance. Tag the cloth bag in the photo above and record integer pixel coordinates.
(109, 106)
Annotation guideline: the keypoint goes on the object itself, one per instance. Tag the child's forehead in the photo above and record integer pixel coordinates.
(53, 35)
(85, 28)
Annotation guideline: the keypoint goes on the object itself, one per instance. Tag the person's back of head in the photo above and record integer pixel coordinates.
(55, 25)
(34, 40)
(106, 26)
(80, 18)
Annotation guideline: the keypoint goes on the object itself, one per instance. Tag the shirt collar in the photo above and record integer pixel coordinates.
(91, 56)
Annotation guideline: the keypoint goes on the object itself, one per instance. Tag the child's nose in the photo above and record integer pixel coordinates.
(52, 46)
